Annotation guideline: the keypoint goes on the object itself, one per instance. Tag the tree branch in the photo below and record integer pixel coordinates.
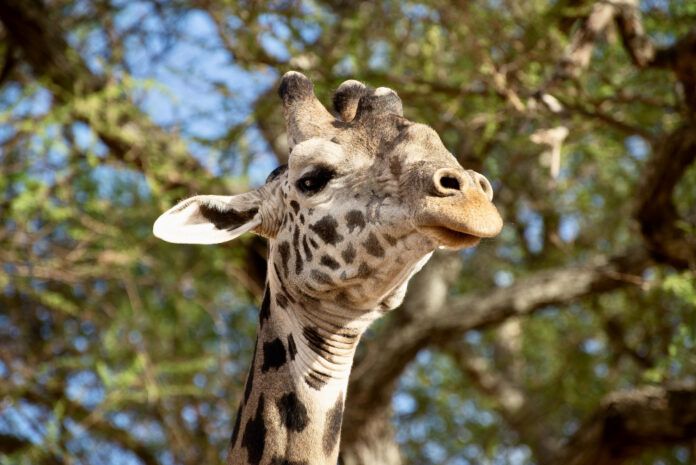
(550, 287)
(628, 422)
(579, 52)
(376, 373)
(636, 42)
(132, 138)
(665, 232)
(667, 235)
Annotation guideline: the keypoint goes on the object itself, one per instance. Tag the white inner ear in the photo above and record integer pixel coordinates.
(188, 226)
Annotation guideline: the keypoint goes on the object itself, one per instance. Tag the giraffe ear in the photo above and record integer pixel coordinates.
(209, 219)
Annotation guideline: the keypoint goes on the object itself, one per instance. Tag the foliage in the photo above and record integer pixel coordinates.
(118, 348)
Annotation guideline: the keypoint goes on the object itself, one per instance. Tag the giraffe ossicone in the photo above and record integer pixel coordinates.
(365, 199)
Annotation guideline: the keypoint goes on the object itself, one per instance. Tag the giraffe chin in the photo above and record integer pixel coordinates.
(450, 238)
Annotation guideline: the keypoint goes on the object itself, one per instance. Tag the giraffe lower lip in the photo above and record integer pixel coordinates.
(451, 238)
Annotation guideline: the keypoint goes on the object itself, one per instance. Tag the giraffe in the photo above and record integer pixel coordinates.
(364, 200)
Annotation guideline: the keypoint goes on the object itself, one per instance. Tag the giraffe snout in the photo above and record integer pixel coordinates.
(458, 211)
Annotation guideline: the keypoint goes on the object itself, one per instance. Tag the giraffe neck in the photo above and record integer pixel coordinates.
(294, 394)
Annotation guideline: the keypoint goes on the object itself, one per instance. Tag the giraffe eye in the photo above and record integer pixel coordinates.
(315, 180)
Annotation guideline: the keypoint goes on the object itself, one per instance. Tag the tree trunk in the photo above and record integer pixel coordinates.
(372, 443)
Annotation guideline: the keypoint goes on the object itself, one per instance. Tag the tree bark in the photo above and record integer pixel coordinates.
(371, 442)
(664, 231)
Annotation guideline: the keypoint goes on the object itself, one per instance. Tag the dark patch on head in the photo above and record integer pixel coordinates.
(332, 431)
(292, 411)
(281, 300)
(296, 247)
(321, 277)
(307, 250)
(235, 429)
(364, 271)
(335, 140)
(355, 219)
(254, 438)
(273, 355)
(314, 243)
(295, 206)
(284, 249)
(330, 262)
(295, 87)
(230, 219)
(250, 377)
(389, 238)
(373, 246)
(301, 218)
(348, 254)
(326, 230)
(292, 348)
(265, 312)
(276, 173)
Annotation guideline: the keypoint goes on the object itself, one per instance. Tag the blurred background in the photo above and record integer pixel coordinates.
(569, 339)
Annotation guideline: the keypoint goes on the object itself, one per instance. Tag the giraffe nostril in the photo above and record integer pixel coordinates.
(484, 185)
(449, 182)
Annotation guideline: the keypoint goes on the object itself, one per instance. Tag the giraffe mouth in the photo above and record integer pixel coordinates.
(459, 221)
(450, 238)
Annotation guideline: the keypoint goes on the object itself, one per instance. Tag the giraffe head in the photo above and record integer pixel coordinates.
(364, 200)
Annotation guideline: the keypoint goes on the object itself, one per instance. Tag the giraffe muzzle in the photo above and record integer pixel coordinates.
(461, 211)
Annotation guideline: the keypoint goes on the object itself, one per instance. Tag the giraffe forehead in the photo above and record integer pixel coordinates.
(420, 143)
(319, 151)
(388, 144)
